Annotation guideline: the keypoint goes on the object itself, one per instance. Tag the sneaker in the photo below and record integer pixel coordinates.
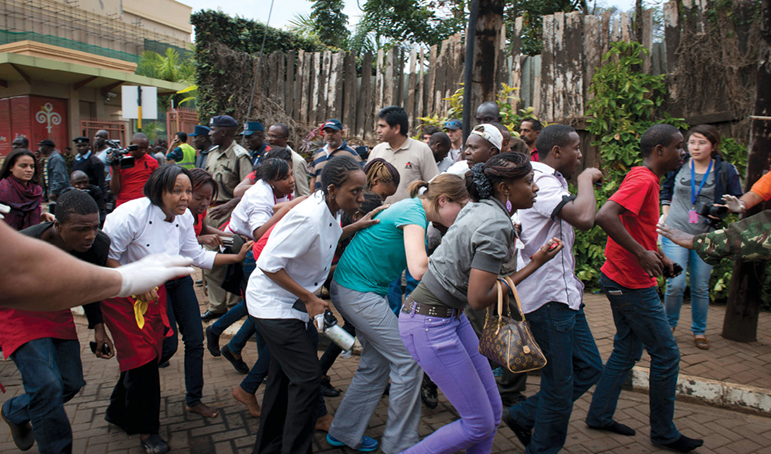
(497, 372)
(237, 363)
(367, 444)
(22, 433)
(428, 392)
(327, 389)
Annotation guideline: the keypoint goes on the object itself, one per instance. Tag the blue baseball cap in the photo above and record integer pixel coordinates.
(224, 121)
(200, 130)
(332, 124)
(251, 127)
(453, 124)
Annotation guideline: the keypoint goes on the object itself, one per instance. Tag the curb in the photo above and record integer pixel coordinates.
(716, 393)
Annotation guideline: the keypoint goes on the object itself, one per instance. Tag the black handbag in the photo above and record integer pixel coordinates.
(235, 281)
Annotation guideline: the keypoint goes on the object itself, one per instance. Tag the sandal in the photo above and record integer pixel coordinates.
(701, 342)
(154, 444)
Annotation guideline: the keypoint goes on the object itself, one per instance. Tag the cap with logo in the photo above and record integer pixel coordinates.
(47, 143)
(200, 130)
(223, 121)
(333, 124)
(81, 139)
(490, 133)
(453, 124)
(251, 127)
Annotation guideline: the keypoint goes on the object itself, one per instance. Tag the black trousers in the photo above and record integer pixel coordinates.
(291, 403)
(135, 403)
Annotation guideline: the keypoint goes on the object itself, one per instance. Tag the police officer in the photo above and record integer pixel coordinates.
(254, 139)
(202, 144)
(87, 162)
(228, 163)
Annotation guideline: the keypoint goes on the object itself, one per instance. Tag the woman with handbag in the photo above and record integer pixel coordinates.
(464, 271)
(160, 222)
(371, 262)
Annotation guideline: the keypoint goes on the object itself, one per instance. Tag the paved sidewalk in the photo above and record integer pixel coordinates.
(234, 430)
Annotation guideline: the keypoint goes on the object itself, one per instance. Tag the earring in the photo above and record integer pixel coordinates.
(333, 197)
(508, 205)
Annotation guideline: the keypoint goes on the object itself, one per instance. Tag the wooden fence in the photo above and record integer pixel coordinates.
(312, 87)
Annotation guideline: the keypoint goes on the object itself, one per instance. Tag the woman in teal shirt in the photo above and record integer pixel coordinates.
(373, 260)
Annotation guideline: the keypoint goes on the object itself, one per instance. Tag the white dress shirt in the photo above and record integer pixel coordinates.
(254, 209)
(138, 228)
(303, 243)
(556, 280)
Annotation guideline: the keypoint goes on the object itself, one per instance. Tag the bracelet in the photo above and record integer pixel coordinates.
(504, 282)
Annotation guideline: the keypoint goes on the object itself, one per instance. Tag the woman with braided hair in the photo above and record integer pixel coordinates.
(464, 271)
(382, 178)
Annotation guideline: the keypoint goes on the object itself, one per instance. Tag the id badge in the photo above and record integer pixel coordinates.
(693, 217)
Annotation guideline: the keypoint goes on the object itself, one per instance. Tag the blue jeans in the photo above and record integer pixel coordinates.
(640, 321)
(236, 313)
(395, 291)
(182, 309)
(259, 371)
(448, 351)
(574, 365)
(699, 273)
(52, 375)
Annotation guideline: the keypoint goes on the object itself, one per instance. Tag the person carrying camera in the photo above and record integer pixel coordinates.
(691, 200)
(127, 184)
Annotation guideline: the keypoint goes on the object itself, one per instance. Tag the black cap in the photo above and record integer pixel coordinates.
(81, 139)
(47, 143)
(223, 121)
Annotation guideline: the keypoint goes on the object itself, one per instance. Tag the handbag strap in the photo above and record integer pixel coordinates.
(516, 296)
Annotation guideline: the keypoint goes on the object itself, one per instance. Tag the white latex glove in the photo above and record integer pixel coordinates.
(733, 204)
(152, 271)
(4, 209)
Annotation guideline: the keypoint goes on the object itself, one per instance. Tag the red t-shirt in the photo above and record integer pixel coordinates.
(132, 181)
(639, 194)
(259, 245)
(199, 225)
(20, 327)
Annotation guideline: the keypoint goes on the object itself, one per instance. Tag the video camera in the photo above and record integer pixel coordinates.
(710, 210)
(117, 156)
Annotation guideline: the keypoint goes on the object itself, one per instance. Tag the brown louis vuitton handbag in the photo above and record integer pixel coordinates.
(509, 342)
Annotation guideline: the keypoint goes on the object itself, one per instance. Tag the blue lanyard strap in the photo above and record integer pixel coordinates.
(694, 192)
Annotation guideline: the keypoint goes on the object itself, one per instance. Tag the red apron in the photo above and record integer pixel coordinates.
(136, 347)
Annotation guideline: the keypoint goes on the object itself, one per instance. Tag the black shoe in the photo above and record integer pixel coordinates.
(428, 392)
(512, 400)
(212, 342)
(327, 389)
(199, 282)
(209, 316)
(21, 433)
(239, 364)
(522, 434)
(163, 365)
(155, 445)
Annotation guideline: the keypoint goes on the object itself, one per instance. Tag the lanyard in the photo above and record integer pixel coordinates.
(694, 192)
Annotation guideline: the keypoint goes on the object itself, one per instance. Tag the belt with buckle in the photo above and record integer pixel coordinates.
(424, 309)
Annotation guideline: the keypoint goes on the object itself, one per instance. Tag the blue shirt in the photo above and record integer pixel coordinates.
(364, 271)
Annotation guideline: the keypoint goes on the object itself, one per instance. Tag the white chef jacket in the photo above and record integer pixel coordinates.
(254, 209)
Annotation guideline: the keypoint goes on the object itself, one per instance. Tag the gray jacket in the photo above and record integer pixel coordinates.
(480, 238)
(58, 179)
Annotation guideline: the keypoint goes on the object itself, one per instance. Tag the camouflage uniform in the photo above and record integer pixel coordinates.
(748, 239)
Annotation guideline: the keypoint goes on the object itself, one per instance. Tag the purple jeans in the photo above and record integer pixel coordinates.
(448, 351)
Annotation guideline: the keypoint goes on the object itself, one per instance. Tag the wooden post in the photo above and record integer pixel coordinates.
(364, 112)
(349, 93)
(559, 68)
(379, 88)
(592, 51)
(516, 63)
(421, 77)
(289, 91)
(431, 84)
(647, 40)
(303, 85)
(547, 71)
(486, 56)
(389, 83)
(324, 87)
(741, 315)
(672, 38)
(574, 66)
(411, 87)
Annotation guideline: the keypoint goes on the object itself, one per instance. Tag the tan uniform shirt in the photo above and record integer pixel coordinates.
(414, 161)
(228, 167)
(300, 170)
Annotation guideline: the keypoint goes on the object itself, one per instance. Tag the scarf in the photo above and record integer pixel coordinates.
(23, 200)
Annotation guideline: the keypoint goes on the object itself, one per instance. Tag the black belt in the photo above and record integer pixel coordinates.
(411, 306)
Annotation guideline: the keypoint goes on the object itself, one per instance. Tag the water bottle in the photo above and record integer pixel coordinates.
(328, 325)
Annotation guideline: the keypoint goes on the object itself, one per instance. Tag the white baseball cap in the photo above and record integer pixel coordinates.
(490, 133)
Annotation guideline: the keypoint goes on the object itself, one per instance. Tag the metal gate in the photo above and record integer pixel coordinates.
(116, 130)
(180, 119)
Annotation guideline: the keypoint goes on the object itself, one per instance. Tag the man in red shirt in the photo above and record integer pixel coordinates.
(127, 184)
(633, 261)
(44, 345)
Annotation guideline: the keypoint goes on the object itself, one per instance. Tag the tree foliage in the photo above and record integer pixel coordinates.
(330, 23)
(532, 12)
